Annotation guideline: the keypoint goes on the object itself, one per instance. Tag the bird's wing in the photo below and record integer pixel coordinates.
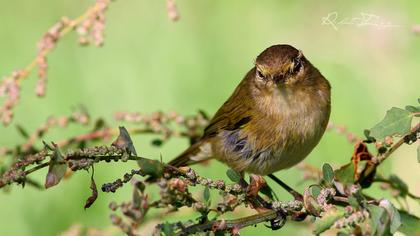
(234, 114)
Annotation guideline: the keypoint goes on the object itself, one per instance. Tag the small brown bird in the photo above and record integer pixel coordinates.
(273, 119)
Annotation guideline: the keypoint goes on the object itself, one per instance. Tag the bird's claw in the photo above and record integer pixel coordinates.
(278, 222)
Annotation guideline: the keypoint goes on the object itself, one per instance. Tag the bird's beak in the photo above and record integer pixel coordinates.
(279, 79)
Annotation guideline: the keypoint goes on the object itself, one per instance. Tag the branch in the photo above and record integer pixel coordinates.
(156, 123)
(229, 225)
(414, 131)
(90, 22)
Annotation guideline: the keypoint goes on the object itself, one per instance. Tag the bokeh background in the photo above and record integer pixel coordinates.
(149, 63)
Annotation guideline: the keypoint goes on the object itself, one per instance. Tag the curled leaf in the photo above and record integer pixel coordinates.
(310, 203)
(94, 194)
(57, 168)
(124, 142)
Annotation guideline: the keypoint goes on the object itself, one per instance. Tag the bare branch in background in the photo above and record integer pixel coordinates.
(173, 13)
(90, 26)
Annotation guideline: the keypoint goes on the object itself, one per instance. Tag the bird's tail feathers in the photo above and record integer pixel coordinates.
(196, 153)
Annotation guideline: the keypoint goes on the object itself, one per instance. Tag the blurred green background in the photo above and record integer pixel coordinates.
(149, 63)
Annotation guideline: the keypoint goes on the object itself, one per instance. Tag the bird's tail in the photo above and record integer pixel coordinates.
(196, 153)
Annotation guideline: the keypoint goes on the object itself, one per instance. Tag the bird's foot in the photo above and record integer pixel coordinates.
(256, 183)
(279, 221)
(257, 202)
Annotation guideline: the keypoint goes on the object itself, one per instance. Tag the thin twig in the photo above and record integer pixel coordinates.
(383, 180)
(400, 142)
(98, 134)
(99, 158)
(230, 224)
(74, 23)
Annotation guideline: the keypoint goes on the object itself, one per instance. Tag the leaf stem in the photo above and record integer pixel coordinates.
(398, 144)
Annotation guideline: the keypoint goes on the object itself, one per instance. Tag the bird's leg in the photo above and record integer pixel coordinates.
(294, 193)
(258, 200)
(256, 182)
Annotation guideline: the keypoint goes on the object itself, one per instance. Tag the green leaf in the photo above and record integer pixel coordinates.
(353, 201)
(410, 224)
(328, 173)
(310, 203)
(57, 168)
(394, 216)
(136, 199)
(151, 167)
(233, 175)
(206, 194)
(396, 121)
(378, 223)
(345, 174)
(315, 190)
(343, 233)
(167, 229)
(327, 219)
(412, 109)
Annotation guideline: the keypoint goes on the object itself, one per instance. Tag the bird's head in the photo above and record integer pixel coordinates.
(282, 66)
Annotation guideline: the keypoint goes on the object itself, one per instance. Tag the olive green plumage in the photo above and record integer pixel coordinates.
(273, 119)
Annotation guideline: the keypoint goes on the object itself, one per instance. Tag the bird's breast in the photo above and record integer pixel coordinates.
(283, 130)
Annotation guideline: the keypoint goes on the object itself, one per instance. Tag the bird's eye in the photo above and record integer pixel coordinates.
(297, 65)
(260, 74)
